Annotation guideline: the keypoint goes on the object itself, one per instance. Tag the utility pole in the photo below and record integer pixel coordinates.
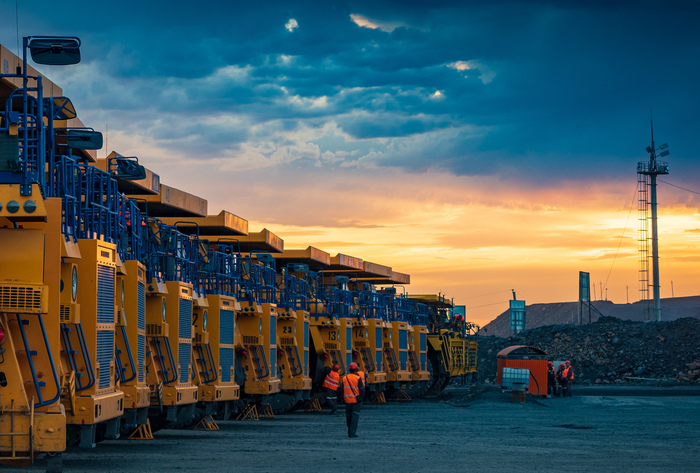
(652, 169)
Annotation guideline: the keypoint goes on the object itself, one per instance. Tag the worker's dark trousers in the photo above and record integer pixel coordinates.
(563, 387)
(331, 400)
(352, 416)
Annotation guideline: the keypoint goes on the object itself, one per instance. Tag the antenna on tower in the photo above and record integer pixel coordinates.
(646, 177)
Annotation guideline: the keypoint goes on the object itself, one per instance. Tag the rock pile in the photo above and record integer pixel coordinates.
(611, 350)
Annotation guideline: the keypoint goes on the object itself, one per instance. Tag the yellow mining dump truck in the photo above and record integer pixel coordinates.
(131, 342)
(381, 327)
(450, 342)
(345, 270)
(218, 283)
(256, 328)
(58, 256)
(306, 331)
(324, 337)
(170, 300)
(90, 394)
(380, 340)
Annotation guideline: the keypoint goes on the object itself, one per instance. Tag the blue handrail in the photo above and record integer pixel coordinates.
(70, 352)
(368, 359)
(209, 374)
(161, 358)
(295, 361)
(120, 367)
(39, 384)
(264, 360)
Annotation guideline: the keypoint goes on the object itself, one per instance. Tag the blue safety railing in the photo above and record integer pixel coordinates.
(23, 153)
(269, 282)
(219, 271)
(403, 308)
(169, 374)
(100, 204)
(371, 304)
(82, 350)
(419, 313)
(64, 182)
(251, 281)
(171, 255)
(24, 112)
(313, 284)
(337, 300)
(209, 373)
(92, 204)
(294, 360)
(302, 294)
(129, 240)
(292, 292)
(121, 370)
(260, 361)
(258, 282)
(38, 385)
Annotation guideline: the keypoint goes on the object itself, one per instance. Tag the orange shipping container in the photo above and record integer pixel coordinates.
(527, 357)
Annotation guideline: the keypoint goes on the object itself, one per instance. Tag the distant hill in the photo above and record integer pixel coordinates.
(558, 313)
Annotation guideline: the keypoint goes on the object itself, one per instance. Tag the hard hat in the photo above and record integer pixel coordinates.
(336, 368)
(353, 366)
(568, 362)
(550, 363)
(561, 365)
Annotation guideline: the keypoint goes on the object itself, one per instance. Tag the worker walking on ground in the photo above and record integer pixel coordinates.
(331, 386)
(352, 391)
(561, 380)
(568, 375)
(551, 380)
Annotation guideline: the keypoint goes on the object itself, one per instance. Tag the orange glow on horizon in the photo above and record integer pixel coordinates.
(472, 239)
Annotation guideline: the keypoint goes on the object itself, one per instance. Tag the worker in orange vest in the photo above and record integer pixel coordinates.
(568, 375)
(364, 376)
(331, 385)
(352, 391)
(560, 380)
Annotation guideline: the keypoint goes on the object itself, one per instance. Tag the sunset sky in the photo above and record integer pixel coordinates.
(480, 146)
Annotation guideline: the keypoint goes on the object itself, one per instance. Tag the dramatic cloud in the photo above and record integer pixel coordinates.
(383, 121)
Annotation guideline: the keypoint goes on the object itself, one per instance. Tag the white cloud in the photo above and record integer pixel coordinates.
(291, 25)
(486, 75)
(285, 59)
(386, 26)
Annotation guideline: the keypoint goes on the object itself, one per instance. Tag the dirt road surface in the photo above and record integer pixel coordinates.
(461, 430)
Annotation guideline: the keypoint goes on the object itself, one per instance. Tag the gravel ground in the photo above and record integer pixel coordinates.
(478, 429)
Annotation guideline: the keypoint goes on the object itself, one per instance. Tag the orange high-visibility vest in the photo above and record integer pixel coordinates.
(363, 376)
(351, 388)
(332, 381)
(565, 373)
